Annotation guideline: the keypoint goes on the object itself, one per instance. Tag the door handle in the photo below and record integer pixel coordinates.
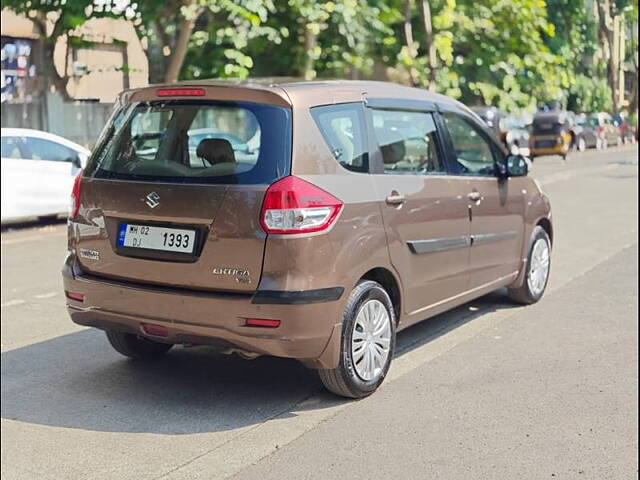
(395, 199)
(475, 196)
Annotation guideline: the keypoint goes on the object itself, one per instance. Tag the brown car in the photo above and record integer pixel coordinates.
(303, 220)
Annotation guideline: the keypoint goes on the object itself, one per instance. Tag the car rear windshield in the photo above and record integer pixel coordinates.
(548, 125)
(195, 142)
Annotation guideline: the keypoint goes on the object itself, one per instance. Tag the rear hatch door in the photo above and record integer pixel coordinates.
(172, 195)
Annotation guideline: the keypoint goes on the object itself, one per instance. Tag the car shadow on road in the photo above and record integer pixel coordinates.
(78, 381)
(43, 222)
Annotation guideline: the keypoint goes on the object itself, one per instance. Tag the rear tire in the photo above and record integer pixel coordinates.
(136, 347)
(361, 347)
(537, 269)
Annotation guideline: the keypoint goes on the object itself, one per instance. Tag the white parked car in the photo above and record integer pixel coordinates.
(38, 169)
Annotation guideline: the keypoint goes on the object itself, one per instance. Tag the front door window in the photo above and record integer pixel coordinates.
(473, 152)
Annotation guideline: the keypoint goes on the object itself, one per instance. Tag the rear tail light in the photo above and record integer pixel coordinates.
(78, 297)
(180, 92)
(292, 205)
(262, 322)
(75, 196)
(155, 330)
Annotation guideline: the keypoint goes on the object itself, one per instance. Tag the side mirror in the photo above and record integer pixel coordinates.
(514, 165)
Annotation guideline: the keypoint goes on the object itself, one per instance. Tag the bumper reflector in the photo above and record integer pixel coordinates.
(262, 322)
(155, 330)
(78, 297)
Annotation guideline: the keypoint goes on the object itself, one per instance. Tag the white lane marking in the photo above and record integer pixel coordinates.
(16, 302)
(46, 295)
(560, 176)
(254, 443)
(12, 303)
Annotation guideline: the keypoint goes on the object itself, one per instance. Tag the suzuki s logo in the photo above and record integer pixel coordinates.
(153, 200)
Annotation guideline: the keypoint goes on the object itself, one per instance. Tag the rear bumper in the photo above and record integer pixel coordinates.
(310, 320)
(558, 149)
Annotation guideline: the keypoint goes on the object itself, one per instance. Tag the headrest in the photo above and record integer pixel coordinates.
(216, 150)
(393, 152)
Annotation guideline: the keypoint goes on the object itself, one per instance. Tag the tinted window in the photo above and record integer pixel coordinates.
(11, 147)
(472, 150)
(41, 149)
(196, 142)
(342, 127)
(407, 141)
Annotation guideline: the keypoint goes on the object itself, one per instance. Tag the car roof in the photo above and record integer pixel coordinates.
(295, 92)
(552, 116)
(28, 132)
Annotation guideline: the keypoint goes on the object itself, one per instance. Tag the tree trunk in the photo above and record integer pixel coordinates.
(409, 41)
(310, 44)
(179, 52)
(429, 46)
(605, 31)
(51, 74)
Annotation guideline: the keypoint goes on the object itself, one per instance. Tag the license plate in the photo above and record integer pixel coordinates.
(156, 238)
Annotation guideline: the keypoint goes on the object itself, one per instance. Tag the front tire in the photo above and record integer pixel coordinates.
(136, 347)
(538, 266)
(582, 144)
(367, 344)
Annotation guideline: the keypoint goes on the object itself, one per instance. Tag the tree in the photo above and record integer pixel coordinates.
(632, 56)
(175, 30)
(575, 42)
(66, 17)
(610, 26)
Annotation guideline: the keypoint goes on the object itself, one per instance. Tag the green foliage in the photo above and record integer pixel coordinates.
(515, 54)
(589, 94)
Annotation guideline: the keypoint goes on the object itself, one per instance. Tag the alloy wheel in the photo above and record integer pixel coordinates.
(371, 340)
(539, 267)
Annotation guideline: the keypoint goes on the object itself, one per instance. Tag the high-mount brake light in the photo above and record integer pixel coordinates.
(180, 92)
(292, 205)
(75, 196)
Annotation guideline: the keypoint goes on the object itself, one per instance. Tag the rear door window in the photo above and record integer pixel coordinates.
(342, 127)
(408, 142)
(196, 142)
(41, 149)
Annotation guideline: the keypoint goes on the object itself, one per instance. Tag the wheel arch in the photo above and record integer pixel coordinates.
(546, 225)
(390, 283)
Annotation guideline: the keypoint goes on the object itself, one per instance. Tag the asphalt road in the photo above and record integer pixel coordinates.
(489, 390)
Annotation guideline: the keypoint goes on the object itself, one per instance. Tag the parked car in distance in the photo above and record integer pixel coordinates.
(510, 129)
(587, 135)
(368, 207)
(38, 169)
(606, 129)
(492, 116)
(624, 126)
(514, 133)
(551, 134)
